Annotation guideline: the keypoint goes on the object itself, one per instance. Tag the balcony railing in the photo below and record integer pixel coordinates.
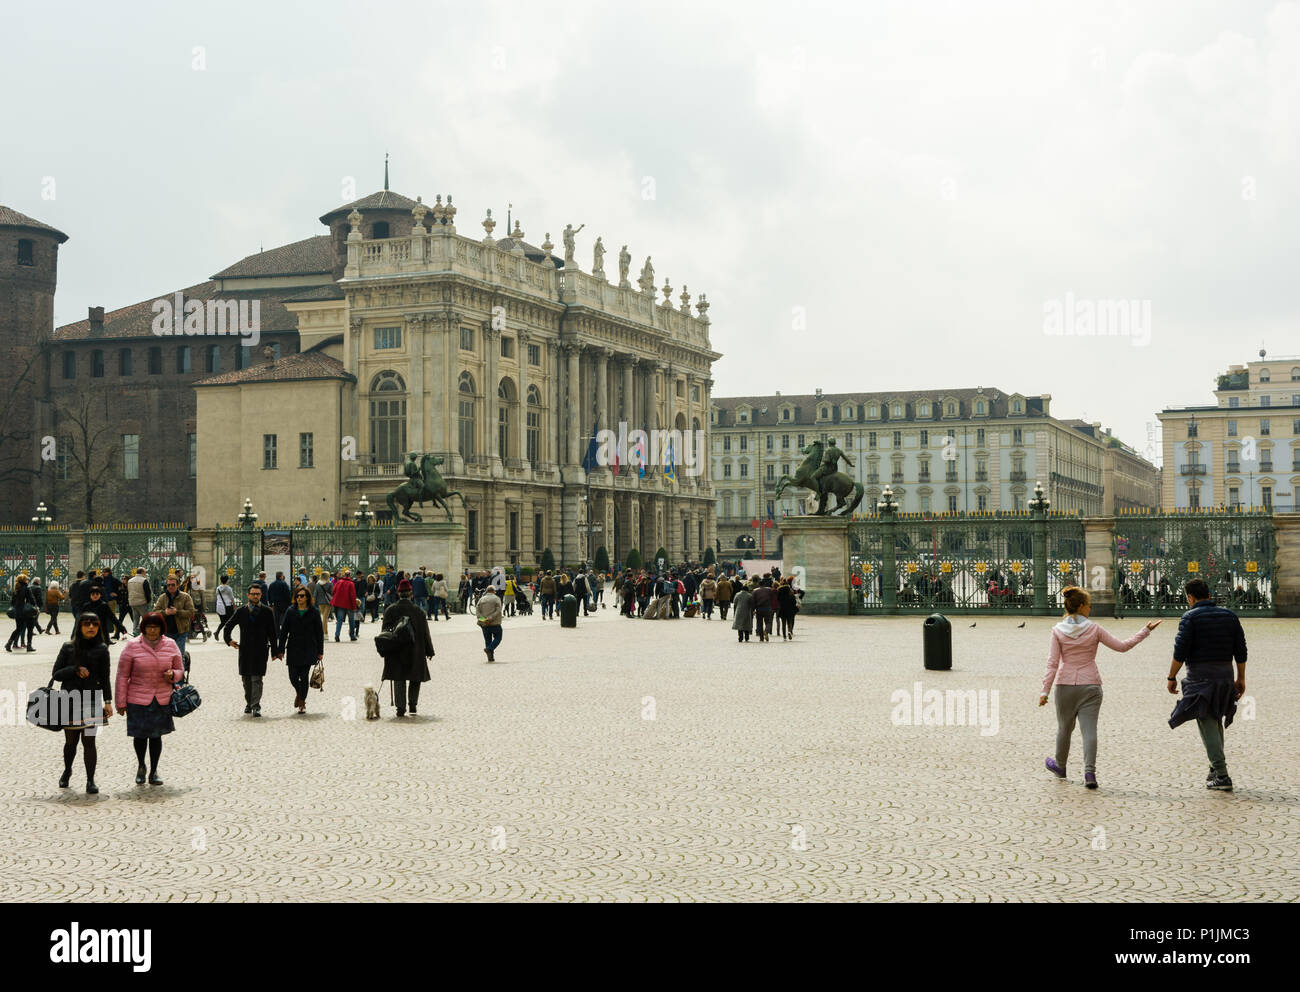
(950, 477)
(981, 476)
(873, 478)
(1266, 466)
(1018, 476)
(897, 477)
(923, 477)
(1191, 469)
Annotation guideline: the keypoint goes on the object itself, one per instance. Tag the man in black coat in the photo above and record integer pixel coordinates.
(278, 596)
(411, 664)
(254, 625)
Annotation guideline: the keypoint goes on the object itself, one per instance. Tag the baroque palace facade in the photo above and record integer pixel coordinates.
(940, 451)
(392, 333)
(495, 355)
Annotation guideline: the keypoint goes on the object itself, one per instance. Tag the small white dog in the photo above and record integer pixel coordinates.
(372, 703)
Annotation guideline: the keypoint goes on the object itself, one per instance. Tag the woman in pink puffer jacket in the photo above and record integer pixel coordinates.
(1072, 665)
(148, 668)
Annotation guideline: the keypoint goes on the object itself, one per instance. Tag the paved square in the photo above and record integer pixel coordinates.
(636, 760)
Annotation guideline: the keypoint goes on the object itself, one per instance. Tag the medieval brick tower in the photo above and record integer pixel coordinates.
(29, 267)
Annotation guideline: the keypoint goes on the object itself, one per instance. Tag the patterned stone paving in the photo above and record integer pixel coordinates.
(640, 761)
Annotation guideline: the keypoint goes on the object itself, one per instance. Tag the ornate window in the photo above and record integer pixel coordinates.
(387, 418)
(465, 416)
(506, 398)
(534, 425)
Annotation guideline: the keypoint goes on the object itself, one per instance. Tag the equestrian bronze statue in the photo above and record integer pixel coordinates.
(820, 473)
(423, 482)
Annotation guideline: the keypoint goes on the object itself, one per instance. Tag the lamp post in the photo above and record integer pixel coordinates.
(762, 526)
(1038, 507)
(247, 518)
(887, 506)
(364, 515)
(42, 520)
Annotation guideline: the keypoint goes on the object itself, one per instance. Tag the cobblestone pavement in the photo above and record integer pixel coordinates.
(662, 761)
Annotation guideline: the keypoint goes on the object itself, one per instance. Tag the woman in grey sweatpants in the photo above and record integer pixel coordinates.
(1072, 667)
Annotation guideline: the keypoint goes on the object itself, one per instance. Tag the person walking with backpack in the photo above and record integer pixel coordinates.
(344, 603)
(1209, 639)
(1072, 666)
(138, 597)
(489, 619)
(82, 668)
(225, 597)
(301, 644)
(408, 667)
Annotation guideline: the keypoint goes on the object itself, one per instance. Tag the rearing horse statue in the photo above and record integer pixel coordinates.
(848, 494)
(424, 482)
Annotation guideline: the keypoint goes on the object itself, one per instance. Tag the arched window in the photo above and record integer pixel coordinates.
(1265, 375)
(387, 418)
(465, 416)
(925, 409)
(534, 425)
(873, 411)
(506, 399)
(952, 409)
(1015, 407)
(898, 410)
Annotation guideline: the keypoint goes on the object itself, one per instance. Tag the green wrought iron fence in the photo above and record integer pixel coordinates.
(1155, 554)
(962, 562)
(228, 554)
(160, 549)
(38, 553)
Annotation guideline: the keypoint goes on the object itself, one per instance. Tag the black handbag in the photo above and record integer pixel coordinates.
(185, 699)
(43, 708)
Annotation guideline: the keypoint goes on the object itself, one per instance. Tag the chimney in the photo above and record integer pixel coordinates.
(96, 316)
(819, 392)
(778, 392)
(1047, 404)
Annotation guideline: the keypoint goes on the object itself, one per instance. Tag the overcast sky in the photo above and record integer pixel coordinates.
(874, 195)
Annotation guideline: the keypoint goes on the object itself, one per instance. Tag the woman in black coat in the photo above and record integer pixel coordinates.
(302, 643)
(786, 605)
(25, 610)
(82, 669)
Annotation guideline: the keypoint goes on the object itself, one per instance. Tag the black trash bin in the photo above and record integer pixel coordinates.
(936, 635)
(569, 611)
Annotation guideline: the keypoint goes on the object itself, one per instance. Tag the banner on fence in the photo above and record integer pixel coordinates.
(277, 551)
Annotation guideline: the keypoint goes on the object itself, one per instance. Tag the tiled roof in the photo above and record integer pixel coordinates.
(292, 368)
(12, 218)
(385, 199)
(317, 294)
(136, 320)
(808, 403)
(306, 257)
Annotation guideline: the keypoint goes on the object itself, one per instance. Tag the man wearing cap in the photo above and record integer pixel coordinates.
(411, 665)
(254, 625)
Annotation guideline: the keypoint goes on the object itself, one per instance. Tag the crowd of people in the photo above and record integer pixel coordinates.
(289, 620)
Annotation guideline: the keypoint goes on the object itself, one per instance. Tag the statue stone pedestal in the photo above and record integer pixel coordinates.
(817, 550)
(439, 544)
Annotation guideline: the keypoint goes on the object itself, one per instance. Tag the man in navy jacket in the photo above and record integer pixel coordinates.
(1209, 639)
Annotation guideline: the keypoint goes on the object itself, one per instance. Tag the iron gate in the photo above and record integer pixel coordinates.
(962, 562)
(1156, 553)
(160, 549)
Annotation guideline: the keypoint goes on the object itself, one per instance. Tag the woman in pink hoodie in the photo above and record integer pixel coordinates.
(148, 668)
(1072, 665)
